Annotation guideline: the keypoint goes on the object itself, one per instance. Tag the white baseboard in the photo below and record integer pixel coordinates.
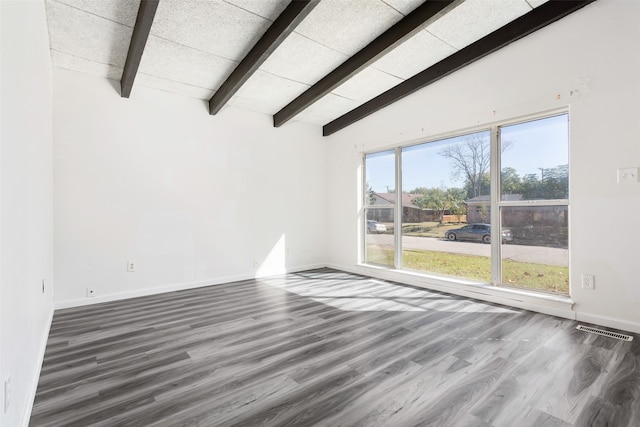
(33, 387)
(59, 305)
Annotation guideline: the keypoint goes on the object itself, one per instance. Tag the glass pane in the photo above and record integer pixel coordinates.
(535, 160)
(379, 208)
(535, 248)
(439, 181)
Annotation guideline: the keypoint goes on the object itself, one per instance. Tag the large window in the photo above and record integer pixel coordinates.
(438, 180)
(489, 206)
(534, 204)
(379, 203)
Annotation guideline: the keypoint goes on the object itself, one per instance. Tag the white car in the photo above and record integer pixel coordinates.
(375, 227)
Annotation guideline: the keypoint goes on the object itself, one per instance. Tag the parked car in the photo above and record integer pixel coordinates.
(478, 232)
(375, 227)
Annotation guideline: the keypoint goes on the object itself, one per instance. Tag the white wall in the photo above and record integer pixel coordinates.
(191, 198)
(26, 196)
(588, 62)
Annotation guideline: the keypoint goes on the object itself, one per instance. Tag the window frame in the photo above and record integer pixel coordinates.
(496, 232)
(365, 208)
(496, 204)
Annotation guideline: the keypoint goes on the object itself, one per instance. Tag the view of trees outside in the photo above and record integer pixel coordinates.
(443, 176)
(446, 186)
(542, 228)
(470, 159)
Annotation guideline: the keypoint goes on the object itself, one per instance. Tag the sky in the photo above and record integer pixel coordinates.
(542, 143)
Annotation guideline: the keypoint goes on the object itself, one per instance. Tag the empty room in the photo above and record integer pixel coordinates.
(320, 213)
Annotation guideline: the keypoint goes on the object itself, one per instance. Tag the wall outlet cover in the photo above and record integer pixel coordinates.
(627, 175)
(588, 281)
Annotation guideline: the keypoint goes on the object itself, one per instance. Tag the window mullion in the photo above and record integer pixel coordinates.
(363, 202)
(496, 240)
(397, 220)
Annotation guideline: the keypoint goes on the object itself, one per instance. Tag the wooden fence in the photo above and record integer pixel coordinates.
(454, 218)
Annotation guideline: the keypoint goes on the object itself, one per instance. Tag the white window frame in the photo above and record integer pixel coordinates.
(366, 207)
(496, 203)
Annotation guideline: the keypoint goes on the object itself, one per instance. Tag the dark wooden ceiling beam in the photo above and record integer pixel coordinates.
(284, 25)
(532, 21)
(422, 16)
(146, 12)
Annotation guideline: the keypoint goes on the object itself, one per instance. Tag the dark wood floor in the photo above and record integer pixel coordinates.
(328, 348)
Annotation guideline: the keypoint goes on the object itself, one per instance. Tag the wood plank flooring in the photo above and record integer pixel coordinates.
(327, 348)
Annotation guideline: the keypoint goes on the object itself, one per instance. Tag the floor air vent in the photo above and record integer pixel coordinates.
(605, 333)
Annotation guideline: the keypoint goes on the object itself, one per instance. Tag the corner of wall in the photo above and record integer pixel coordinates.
(26, 198)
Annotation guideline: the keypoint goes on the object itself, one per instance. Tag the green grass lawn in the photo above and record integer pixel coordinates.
(547, 278)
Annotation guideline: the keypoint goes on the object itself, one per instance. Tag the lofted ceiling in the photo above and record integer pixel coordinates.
(194, 46)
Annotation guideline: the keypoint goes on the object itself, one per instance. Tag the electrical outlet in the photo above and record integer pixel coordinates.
(131, 266)
(256, 263)
(7, 394)
(627, 175)
(91, 292)
(588, 281)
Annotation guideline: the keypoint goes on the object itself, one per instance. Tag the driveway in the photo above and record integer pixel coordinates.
(521, 253)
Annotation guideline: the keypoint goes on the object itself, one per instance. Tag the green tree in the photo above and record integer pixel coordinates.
(552, 183)
(485, 185)
(510, 181)
(530, 186)
(440, 200)
(419, 190)
(457, 199)
(556, 182)
(371, 195)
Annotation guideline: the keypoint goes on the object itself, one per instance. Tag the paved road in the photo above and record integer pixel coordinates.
(533, 254)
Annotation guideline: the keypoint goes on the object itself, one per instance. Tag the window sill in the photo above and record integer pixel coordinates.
(556, 305)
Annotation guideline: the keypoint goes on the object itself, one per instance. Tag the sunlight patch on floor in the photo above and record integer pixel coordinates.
(376, 295)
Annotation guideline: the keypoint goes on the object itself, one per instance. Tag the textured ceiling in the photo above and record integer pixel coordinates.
(194, 45)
